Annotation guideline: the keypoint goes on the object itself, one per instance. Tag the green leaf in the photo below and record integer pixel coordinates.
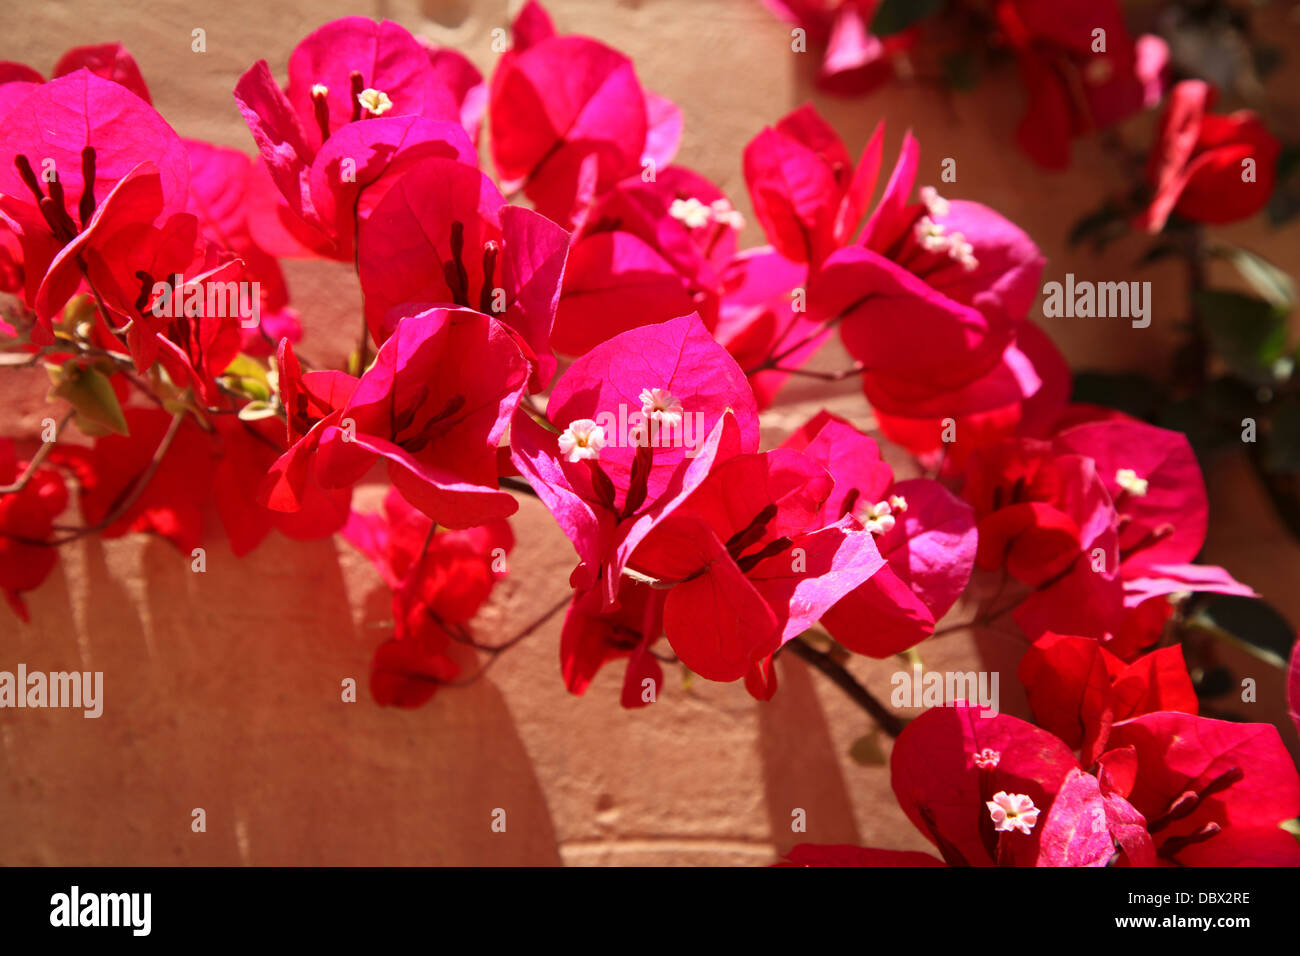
(1252, 624)
(91, 394)
(1283, 454)
(256, 411)
(1273, 285)
(1248, 333)
(1135, 394)
(895, 16)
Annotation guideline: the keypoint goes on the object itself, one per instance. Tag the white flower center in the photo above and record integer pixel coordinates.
(659, 405)
(935, 237)
(936, 204)
(879, 518)
(376, 102)
(582, 439)
(1012, 811)
(693, 213)
(987, 759)
(1128, 479)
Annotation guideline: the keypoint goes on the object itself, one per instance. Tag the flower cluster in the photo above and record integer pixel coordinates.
(574, 320)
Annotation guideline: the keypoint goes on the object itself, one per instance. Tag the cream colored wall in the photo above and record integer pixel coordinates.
(222, 689)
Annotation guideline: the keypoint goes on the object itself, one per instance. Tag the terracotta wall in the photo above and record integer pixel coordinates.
(222, 688)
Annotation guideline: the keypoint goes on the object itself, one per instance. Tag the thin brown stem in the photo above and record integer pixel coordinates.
(35, 462)
(888, 721)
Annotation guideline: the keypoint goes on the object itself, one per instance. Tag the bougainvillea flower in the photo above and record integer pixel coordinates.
(951, 762)
(439, 581)
(1092, 824)
(111, 61)
(1081, 69)
(615, 282)
(245, 451)
(925, 535)
(443, 234)
(220, 179)
(108, 60)
(1078, 689)
(633, 455)
(1293, 686)
(181, 300)
(807, 194)
(966, 275)
(750, 563)
(435, 404)
(463, 81)
(1208, 167)
(759, 319)
(363, 99)
(1025, 390)
(1213, 792)
(594, 635)
(26, 524)
(568, 117)
(1158, 493)
(856, 61)
(646, 252)
(67, 147)
(1048, 519)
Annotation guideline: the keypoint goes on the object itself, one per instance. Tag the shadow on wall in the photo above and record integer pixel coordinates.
(213, 704)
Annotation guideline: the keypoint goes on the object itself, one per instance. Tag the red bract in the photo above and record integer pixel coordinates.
(220, 179)
(26, 526)
(435, 404)
(111, 61)
(1213, 791)
(363, 98)
(1293, 686)
(807, 195)
(1078, 689)
(759, 318)
(967, 278)
(632, 427)
(751, 563)
(925, 535)
(443, 234)
(592, 636)
(1081, 69)
(951, 763)
(856, 61)
(569, 118)
(646, 252)
(1158, 494)
(245, 452)
(1207, 167)
(439, 581)
(80, 153)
